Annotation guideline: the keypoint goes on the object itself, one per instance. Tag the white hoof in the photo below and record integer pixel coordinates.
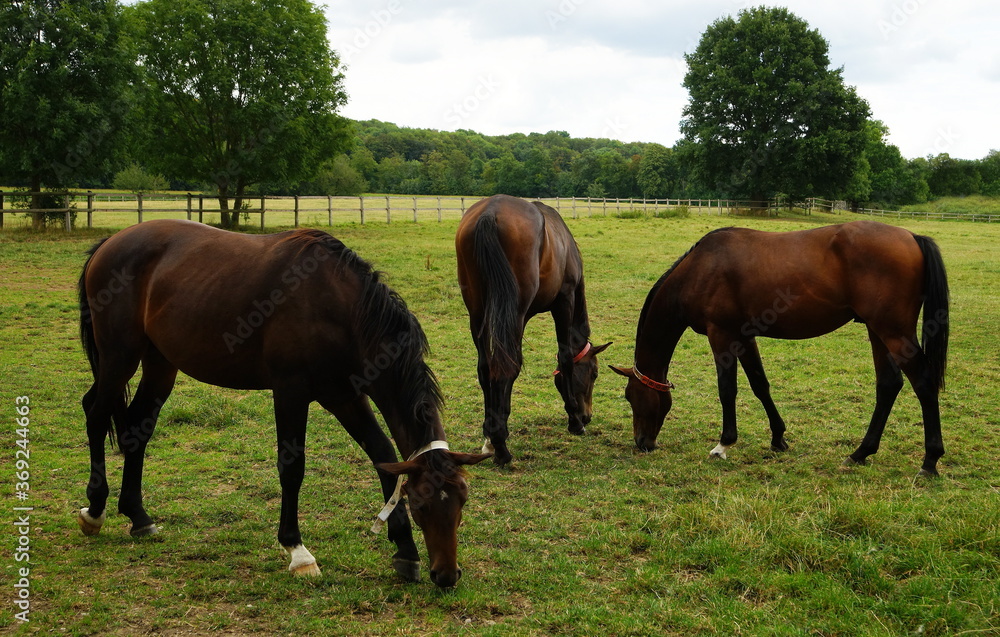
(488, 447)
(90, 525)
(719, 452)
(303, 563)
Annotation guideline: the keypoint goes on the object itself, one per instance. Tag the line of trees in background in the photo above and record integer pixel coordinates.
(241, 97)
(393, 159)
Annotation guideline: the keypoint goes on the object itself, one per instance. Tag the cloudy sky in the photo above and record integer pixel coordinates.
(613, 68)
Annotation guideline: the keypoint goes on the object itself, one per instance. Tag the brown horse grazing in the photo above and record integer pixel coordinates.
(515, 260)
(736, 284)
(297, 313)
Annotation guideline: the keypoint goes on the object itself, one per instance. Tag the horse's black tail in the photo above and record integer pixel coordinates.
(87, 329)
(501, 323)
(936, 320)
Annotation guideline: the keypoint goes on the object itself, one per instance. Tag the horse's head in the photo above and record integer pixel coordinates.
(650, 400)
(436, 492)
(577, 387)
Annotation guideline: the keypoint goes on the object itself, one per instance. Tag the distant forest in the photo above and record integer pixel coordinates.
(387, 158)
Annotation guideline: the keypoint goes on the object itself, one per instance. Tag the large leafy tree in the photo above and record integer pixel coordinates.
(767, 114)
(239, 92)
(65, 73)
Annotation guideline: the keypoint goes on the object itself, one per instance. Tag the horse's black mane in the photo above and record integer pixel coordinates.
(386, 327)
(666, 275)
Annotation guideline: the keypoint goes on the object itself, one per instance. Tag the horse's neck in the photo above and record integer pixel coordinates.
(662, 329)
(579, 330)
(409, 431)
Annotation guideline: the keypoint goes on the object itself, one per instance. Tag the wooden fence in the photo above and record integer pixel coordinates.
(828, 205)
(123, 209)
(119, 209)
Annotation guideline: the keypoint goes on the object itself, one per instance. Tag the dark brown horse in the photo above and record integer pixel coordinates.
(737, 284)
(515, 260)
(296, 313)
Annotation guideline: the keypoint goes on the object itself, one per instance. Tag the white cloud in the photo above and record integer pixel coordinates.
(603, 68)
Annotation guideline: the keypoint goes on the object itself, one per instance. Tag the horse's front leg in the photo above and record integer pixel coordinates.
(290, 415)
(726, 350)
(357, 418)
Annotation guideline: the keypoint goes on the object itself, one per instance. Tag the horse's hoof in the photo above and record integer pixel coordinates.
(90, 526)
(488, 446)
(305, 570)
(927, 473)
(719, 452)
(578, 432)
(851, 462)
(143, 531)
(779, 448)
(502, 460)
(409, 570)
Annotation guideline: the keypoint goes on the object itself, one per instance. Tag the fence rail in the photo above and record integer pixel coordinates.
(826, 204)
(120, 209)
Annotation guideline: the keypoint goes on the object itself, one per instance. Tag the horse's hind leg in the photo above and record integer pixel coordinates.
(912, 360)
(754, 369)
(888, 382)
(104, 400)
(496, 407)
(357, 418)
(158, 378)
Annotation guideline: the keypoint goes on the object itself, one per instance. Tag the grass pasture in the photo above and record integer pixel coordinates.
(583, 535)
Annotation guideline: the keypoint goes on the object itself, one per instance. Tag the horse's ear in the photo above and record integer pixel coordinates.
(398, 468)
(468, 458)
(594, 351)
(621, 371)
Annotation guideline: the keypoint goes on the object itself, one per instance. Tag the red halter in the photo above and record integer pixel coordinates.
(649, 382)
(578, 357)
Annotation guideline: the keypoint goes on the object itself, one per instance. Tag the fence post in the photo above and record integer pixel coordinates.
(388, 213)
(439, 209)
(329, 210)
(296, 211)
(362, 198)
(414, 210)
(574, 206)
(90, 208)
(138, 200)
(463, 206)
(1, 209)
(190, 197)
(201, 209)
(263, 209)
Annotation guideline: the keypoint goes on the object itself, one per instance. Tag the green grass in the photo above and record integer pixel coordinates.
(582, 536)
(973, 204)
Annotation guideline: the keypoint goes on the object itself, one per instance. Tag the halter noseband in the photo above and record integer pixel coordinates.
(649, 382)
(394, 499)
(578, 357)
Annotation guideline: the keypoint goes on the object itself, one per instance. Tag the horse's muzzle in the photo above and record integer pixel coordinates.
(645, 444)
(446, 579)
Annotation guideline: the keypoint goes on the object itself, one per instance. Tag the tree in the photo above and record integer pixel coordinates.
(766, 113)
(239, 92)
(657, 172)
(65, 72)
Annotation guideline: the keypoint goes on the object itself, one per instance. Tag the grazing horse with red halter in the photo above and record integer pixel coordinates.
(515, 260)
(296, 313)
(737, 284)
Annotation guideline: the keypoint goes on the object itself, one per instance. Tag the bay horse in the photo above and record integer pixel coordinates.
(515, 260)
(736, 284)
(297, 313)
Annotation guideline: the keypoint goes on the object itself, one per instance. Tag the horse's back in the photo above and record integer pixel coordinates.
(216, 304)
(811, 281)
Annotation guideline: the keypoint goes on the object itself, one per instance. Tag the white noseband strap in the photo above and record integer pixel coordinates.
(394, 499)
